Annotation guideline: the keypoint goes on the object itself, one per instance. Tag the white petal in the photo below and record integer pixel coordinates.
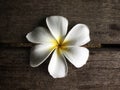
(39, 54)
(40, 35)
(78, 56)
(57, 66)
(58, 26)
(79, 35)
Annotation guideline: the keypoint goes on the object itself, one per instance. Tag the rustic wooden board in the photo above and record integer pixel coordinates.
(18, 17)
(102, 72)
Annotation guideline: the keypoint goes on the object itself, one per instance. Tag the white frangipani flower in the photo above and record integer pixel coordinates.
(55, 40)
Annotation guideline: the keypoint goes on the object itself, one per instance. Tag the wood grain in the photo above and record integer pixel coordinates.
(102, 72)
(18, 17)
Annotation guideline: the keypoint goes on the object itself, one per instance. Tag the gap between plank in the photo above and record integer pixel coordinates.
(91, 45)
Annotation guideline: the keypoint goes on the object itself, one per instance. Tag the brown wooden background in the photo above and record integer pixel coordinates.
(18, 17)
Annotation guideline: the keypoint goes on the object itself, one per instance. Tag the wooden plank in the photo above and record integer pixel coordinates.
(102, 72)
(18, 17)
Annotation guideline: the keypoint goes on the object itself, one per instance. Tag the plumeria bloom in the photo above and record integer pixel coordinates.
(60, 44)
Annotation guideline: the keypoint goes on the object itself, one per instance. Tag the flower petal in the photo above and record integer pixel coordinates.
(78, 56)
(79, 35)
(39, 54)
(57, 66)
(58, 26)
(40, 35)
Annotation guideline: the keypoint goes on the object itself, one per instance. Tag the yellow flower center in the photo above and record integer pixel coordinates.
(59, 45)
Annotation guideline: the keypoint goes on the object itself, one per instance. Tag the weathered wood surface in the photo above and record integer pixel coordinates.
(102, 72)
(18, 17)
